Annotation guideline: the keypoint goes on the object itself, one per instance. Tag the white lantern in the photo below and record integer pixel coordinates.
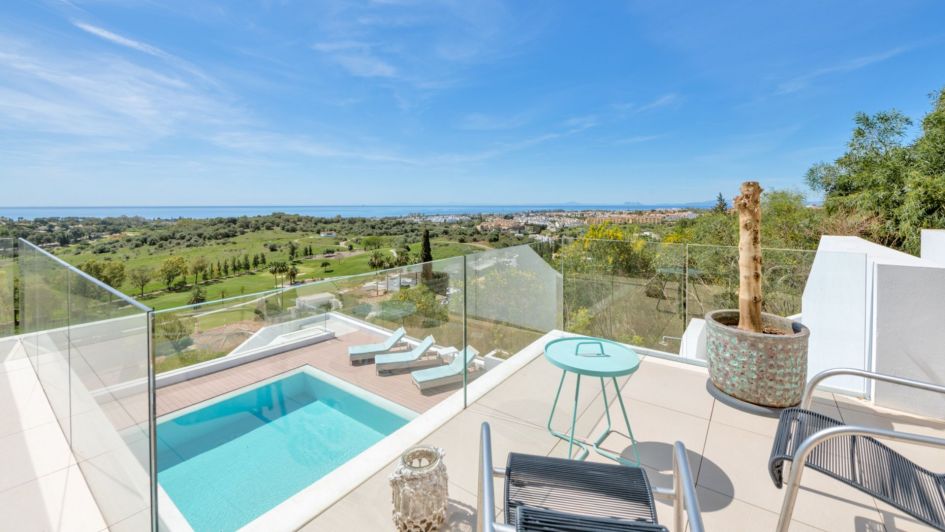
(419, 487)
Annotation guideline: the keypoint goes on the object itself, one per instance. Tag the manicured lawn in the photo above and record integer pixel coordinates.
(157, 297)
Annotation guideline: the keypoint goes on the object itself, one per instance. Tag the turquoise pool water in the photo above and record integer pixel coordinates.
(230, 461)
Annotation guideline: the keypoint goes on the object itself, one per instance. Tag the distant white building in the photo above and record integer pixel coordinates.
(328, 234)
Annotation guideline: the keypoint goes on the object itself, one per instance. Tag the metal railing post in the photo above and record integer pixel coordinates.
(465, 340)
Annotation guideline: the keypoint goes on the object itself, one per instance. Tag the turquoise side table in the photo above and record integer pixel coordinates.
(592, 357)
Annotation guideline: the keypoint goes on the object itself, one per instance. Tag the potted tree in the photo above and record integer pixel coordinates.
(753, 356)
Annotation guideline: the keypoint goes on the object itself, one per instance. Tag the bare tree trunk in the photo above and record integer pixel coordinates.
(748, 204)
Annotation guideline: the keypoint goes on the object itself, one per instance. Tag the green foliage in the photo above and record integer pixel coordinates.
(425, 302)
(580, 321)
(786, 222)
(892, 188)
(140, 277)
(371, 242)
(173, 331)
(171, 268)
(197, 295)
(721, 206)
(198, 266)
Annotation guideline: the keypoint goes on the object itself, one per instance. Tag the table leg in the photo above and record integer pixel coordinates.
(633, 441)
(609, 430)
(570, 437)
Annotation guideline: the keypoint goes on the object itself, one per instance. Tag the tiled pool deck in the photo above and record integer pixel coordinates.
(667, 401)
(330, 356)
(42, 488)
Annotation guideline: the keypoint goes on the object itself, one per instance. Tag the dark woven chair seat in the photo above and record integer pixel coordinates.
(541, 520)
(555, 494)
(861, 462)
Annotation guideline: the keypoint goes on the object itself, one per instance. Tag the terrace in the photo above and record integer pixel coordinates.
(92, 375)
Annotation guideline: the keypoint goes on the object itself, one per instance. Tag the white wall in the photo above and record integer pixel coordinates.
(933, 246)
(874, 308)
(835, 309)
(909, 335)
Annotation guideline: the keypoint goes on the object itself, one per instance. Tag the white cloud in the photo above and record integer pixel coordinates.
(56, 91)
(637, 139)
(484, 122)
(357, 58)
(665, 100)
(123, 41)
(802, 82)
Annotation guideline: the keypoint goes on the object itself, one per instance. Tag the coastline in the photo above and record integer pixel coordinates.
(321, 211)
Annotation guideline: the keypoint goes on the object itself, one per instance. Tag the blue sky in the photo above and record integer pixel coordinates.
(144, 102)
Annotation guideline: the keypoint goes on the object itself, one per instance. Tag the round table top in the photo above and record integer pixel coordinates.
(594, 357)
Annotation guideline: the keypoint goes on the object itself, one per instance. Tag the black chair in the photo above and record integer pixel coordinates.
(854, 456)
(559, 495)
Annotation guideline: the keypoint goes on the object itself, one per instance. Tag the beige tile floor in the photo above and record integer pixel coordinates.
(667, 401)
(330, 356)
(41, 486)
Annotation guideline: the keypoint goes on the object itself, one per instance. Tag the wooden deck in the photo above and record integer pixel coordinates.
(330, 356)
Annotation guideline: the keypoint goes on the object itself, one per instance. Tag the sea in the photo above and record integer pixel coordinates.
(325, 211)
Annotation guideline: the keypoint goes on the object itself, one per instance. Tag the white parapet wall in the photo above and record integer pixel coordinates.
(835, 307)
(871, 307)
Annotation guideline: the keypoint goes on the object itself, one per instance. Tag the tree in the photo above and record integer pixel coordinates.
(255, 261)
(325, 265)
(892, 190)
(226, 268)
(262, 258)
(277, 269)
(198, 266)
(721, 206)
(94, 268)
(174, 330)
(748, 204)
(426, 255)
(377, 261)
(371, 242)
(246, 266)
(171, 268)
(292, 273)
(293, 250)
(197, 295)
(140, 277)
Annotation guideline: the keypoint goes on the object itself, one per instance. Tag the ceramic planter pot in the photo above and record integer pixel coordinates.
(762, 369)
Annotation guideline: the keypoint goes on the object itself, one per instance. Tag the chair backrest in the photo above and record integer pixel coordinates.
(457, 362)
(395, 337)
(426, 344)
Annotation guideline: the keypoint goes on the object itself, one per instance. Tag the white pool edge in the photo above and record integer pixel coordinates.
(170, 515)
(307, 504)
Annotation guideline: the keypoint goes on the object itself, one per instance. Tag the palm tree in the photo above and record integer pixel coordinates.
(293, 272)
(377, 260)
(277, 269)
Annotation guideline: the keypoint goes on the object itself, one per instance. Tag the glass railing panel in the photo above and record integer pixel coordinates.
(109, 358)
(628, 291)
(199, 333)
(513, 297)
(45, 317)
(7, 274)
(89, 345)
(210, 353)
(712, 275)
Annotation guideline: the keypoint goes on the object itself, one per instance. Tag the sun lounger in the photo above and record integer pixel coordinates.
(442, 375)
(416, 357)
(360, 353)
